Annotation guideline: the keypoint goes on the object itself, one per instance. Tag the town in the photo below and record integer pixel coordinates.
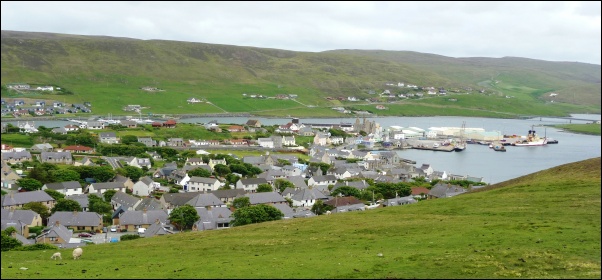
(90, 180)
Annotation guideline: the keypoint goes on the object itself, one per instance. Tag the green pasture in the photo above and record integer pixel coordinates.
(543, 225)
(592, 128)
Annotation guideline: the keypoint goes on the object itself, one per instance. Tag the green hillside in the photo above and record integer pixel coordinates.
(542, 225)
(109, 72)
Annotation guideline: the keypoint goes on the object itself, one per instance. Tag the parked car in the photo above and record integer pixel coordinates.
(84, 234)
(113, 229)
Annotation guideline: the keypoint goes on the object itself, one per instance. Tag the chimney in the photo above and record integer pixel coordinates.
(57, 223)
(144, 210)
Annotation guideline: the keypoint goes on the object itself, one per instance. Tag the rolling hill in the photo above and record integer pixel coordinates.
(542, 225)
(109, 72)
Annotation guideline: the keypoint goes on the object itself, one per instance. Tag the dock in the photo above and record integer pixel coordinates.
(448, 148)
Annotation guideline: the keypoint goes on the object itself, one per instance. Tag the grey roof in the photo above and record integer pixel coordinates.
(69, 185)
(82, 199)
(126, 200)
(108, 185)
(156, 228)
(16, 155)
(350, 207)
(76, 218)
(20, 198)
(204, 200)
(108, 134)
(228, 193)
(360, 185)
(43, 146)
(265, 198)
(142, 217)
(149, 203)
(55, 155)
(209, 218)
(178, 199)
(146, 180)
(308, 194)
(57, 230)
(298, 181)
(202, 180)
(324, 178)
(446, 190)
(285, 209)
(400, 201)
(253, 181)
(25, 216)
(120, 179)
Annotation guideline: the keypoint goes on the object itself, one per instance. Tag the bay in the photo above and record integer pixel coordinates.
(476, 160)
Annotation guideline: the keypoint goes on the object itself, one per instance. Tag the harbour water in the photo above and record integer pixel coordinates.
(476, 160)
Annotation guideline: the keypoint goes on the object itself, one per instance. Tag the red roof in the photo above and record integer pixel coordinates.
(78, 148)
(419, 190)
(170, 122)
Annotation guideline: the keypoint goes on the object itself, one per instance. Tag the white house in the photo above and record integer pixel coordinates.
(66, 188)
(265, 142)
(202, 184)
(101, 188)
(144, 186)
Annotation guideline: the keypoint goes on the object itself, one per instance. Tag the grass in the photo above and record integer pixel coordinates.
(592, 128)
(543, 225)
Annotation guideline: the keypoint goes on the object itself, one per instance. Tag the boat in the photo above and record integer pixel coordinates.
(532, 139)
(461, 146)
(498, 147)
(552, 141)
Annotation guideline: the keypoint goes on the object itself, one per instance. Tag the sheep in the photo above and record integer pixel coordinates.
(56, 255)
(77, 253)
(328, 213)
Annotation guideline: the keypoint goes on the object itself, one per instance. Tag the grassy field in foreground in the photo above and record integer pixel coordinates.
(591, 128)
(542, 225)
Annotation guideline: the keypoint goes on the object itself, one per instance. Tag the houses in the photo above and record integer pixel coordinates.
(250, 184)
(145, 186)
(131, 221)
(68, 188)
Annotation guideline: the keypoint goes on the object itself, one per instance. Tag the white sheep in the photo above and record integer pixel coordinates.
(77, 253)
(56, 255)
(328, 213)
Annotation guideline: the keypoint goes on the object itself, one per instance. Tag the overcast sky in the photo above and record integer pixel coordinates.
(553, 31)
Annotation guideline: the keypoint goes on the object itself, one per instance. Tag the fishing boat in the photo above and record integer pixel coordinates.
(532, 139)
(552, 141)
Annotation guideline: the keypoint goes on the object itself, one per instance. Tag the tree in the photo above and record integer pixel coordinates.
(129, 139)
(109, 194)
(199, 172)
(231, 179)
(255, 214)
(131, 172)
(282, 184)
(66, 205)
(264, 188)
(54, 194)
(184, 217)
(346, 191)
(29, 184)
(64, 175)
(221, 170)
(320, 208)
(8, 242)
(241, 202)
(39, 208)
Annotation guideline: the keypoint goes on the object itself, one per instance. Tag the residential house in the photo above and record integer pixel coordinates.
(56, 157)
(213, 162)
(169, 123)
(124, 201)
(265, 142)
(236, 128)
(306, 197)
(108, 138)
(268, 198)
(82, 199)
(126, 181)
(57, 234)
(145, 186)
(156, 228)
(441, 190)
(100, 188)
(45, 147)
(78, 149)
(228, 196)
(253, 123)
(322, 181)
(22, 219)
(194, 161)
(16, 157)
(18, 199)
(399, 201)
(66, 188)
(85, 161)
(88, 221)
(175, 142)
(128, 123)
(346, 204)
(131, 221)
(202, 184)
(213, 218)
(250, 184)
(203, 200)
(173, 200)
(147, 141)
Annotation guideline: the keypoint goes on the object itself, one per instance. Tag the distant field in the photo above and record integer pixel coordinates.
(593, 129)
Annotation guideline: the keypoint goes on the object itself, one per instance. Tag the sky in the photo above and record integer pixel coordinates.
(545, 30)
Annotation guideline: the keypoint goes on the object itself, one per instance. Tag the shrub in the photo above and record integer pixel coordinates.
(36, 247)
(129, 237)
